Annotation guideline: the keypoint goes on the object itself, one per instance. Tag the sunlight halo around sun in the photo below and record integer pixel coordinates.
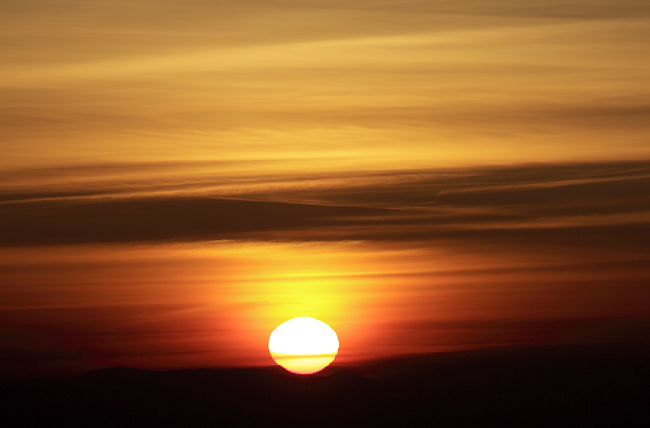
(303, 345)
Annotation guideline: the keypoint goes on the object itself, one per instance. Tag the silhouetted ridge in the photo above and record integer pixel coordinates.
(509, 387)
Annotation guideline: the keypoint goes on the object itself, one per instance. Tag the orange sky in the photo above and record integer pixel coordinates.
(179, 177)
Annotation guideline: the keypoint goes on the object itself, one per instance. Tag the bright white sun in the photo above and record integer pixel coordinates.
(303, 345)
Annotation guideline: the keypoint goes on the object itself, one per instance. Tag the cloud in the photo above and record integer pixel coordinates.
(601, 204)
(158, 219)
(469, 81)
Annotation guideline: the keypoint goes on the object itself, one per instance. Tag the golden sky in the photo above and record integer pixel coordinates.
(179, 177)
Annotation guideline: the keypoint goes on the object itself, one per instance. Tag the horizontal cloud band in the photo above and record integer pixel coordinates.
(584, 202)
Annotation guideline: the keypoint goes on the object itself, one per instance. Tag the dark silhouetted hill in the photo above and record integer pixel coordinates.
(560, 386)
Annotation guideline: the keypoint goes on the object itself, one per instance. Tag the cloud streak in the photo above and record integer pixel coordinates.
(579, 202)
(460, 83)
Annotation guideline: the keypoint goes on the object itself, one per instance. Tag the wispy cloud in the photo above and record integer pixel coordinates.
(418, 83)
(518, 202)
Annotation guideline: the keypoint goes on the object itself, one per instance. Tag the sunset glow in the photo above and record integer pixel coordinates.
(180, 177)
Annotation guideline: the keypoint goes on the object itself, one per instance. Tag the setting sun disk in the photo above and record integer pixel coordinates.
(303, 345)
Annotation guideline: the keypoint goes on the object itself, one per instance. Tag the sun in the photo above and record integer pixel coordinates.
(303, 345)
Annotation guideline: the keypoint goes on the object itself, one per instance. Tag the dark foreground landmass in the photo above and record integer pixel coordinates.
(560, 386)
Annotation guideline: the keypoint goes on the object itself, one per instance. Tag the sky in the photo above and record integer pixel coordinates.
(179, 177)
